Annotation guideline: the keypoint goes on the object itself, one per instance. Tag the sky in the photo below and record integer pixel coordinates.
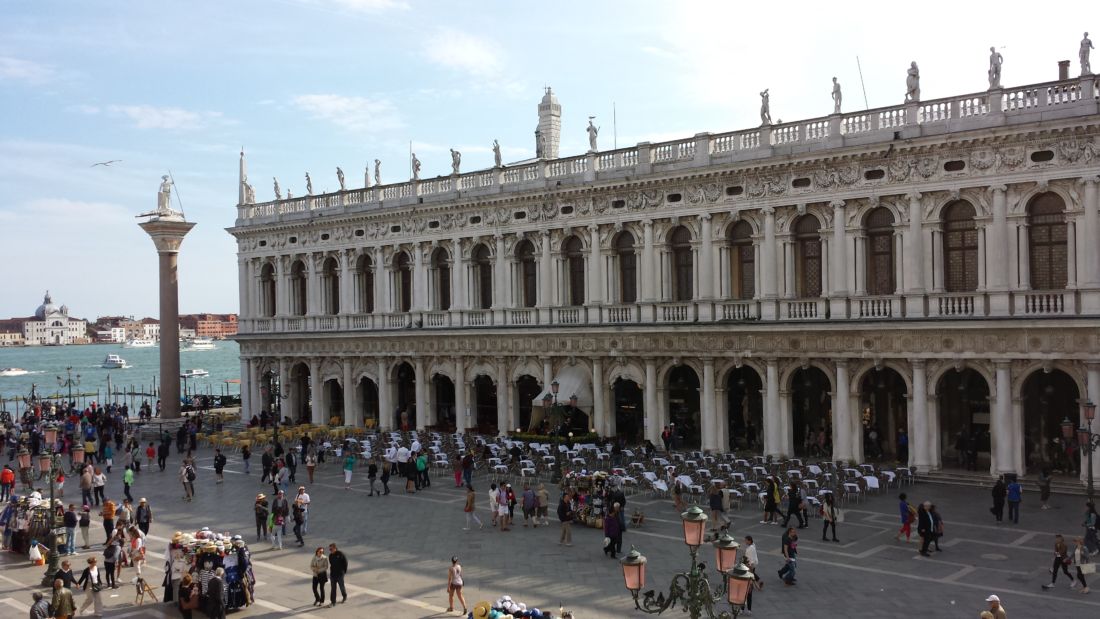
(309, 85)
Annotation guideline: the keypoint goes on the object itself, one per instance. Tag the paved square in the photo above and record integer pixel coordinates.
(399, 546)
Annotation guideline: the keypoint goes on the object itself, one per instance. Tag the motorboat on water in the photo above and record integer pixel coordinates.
(201, 343)
(115, 362)
(13, 372)
(195, 373)
(139, 343)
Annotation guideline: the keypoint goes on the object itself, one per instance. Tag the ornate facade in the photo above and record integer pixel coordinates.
(923, 270)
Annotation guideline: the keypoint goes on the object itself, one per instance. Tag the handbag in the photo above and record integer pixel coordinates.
(322, 577)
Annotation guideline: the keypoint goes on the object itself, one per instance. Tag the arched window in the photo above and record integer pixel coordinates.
(628, 268)
(403, 279)
(483, 276)
(267, 290)
(807, 237)
(573, 254)
(364, 273)
(441, 279)
(683, 264)
(879, 224)
(330, 287)
(1046, 220)
(960, 247)
(528, 274)
(742, 261)
(298, 280)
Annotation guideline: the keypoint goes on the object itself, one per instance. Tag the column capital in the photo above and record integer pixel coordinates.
(648, 223)
(998, 188)
(1087, 180)
(837, 204)
(841, 363)
(1002, 364)
(768, 211)
(704, 217)
(707, 360)
(593, 227)
(913, 195)
(917, 363)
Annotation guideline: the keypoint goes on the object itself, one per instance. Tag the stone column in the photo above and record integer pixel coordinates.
(934, 457)
(790, 286)
(500, 279)
(1003, 429)
(347, 284)
(937, 257)
(353, 414)
(838, 261)
(255, 400)
(167, 233)
(919, 448)
(769, 273)
(419, 299)
(704, 292)
(649, 263)
(460, 396)
(244, 287)
(599, 412)
(914, 258)
(247, 383)
(504, 399)
(1024, 255)
(458, 279)
(842, 415)
(997, 255)
(382, 301)
(709, 413)
(860, 267)
(420, 393)
(1071, 254)
(285, 388)
(1090, 259)
(316, 390)
(385, 394)
(652, 417)
(282, 288)
(1092, 385)
(783, 437)
(772, 423)
(313, 285)
(595, 268)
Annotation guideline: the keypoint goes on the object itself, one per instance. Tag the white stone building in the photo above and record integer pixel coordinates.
(930, 267)
(52, 326)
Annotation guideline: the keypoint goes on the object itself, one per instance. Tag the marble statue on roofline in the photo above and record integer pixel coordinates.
(309, 185)
(456, 161)
(1083, 55)
(366, 177)
(278, 192)
(912, 83)
(249, 192)
(415, 167)
(836, 96)
(340, 177)
(496, 153)
(593, 133)
(377, 171)
(995, 61)
(765, 108)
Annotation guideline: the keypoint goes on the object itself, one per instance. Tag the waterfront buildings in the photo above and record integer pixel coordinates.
(924, 270)
(213, 326)
(49, 326)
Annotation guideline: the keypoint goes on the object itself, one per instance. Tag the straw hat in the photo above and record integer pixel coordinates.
(481, 610)
(261, 496)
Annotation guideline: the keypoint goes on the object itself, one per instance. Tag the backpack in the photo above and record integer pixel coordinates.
(190, 474)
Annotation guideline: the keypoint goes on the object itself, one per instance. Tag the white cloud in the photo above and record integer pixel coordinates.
(171, 118)
(18, 69)
(358, 114)
(464, 52)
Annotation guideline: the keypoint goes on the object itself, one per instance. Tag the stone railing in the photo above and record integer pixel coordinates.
(993, 108)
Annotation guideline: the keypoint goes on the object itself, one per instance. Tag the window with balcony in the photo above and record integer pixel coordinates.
(742, 261)
(299, 278)
(528, 273)
(441, 280)
(1046, 218)
(267, 290)
(628, 267)
(364, 274)
(960, 247)
(403, 279)
(879, 226)
(807, 236)
(482, 264)
(573, 254)
(683, 264)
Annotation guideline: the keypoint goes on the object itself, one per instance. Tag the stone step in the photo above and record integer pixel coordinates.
(1060, 485)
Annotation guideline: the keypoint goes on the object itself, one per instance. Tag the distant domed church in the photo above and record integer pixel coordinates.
(50, 326)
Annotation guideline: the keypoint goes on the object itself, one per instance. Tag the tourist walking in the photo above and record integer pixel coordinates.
(925, 527)
(1061, 562)
(996, 610)
(454, 586)
(85, 524)
(296, 515)
(471, 502)
(99, 484)
(565, 516)
(246, 457)
(304, 500)
(85, 486)
(1000, 490)
(385, 478)
(612, 530)
(162, 455)
(188, 597)
(215, 595)
(291, 464)
(1092, 521)
(319, 566)
(143, 516)
(91, 582)
(349, 468)
(338, 567)
(311, 463)
(1044, 488)
(127, 482)
(771, 502)
(1083, 562)
(907, 513)
(1014, 494)
(794, 505)
(544, 505)
(262, 512)
(494, 499)
(267, 460)
(280, 511)
(829, 516)
(70, 521)
(187, 478)
(937, 527)
(40, 609)
(111, 557)
(751, 559)
(530, 506)
(108, 515)
(62, 603)
(372, 476)
(717, 509)
(219, 465)
(790, 556)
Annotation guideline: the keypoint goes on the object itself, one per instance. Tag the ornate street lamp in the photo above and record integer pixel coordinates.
(69, 382)
(692, 590)
(50, 463)
(1087, 441)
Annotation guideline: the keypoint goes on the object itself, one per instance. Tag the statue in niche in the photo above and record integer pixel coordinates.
(995, 61)
(836, 96)
(496, 154)
(765, 108)
(340, 178)
(309, 185)
(912, 83)
(456, 161)
(377, 172)
(278, 191)
(1083, 55)
(593, 132)
(415, 167)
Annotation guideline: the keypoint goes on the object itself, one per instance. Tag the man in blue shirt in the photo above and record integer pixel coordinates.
(1014, 495)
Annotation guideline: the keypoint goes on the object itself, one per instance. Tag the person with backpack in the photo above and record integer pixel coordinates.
(187, 478)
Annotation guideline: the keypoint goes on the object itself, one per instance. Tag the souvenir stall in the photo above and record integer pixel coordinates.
(590, 489)
(505, 607)
(25, 520)
(201, 554)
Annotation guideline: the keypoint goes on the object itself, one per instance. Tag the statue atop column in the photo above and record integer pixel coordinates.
(309, 185)
(164, 196)
(995, 60)
(496, 154)
(765, 108)
(377, 172)
(1083, 54)
(278, 192)
(593, 132)
(340, 178)
(912, 83)
(456, 162)
(836, 96)
(415, 167)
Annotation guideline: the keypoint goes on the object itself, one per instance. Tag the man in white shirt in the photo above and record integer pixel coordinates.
(303, 499)
(751, 560)
(391, 458)
(494, 502)
(415, 446)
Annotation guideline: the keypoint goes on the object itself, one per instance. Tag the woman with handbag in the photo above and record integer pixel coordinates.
(1061, 562)
(91, 581)
(319, 566)
(188, 598)
(1081, 560)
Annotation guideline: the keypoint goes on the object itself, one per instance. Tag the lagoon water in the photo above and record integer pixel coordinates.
(46, 363)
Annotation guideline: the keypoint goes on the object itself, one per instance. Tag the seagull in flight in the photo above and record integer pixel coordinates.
(106, 164)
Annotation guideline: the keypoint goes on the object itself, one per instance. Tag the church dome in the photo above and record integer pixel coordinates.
(65, 310)
(46, 308)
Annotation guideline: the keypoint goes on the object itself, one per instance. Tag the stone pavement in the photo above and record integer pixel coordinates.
(399, 548)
